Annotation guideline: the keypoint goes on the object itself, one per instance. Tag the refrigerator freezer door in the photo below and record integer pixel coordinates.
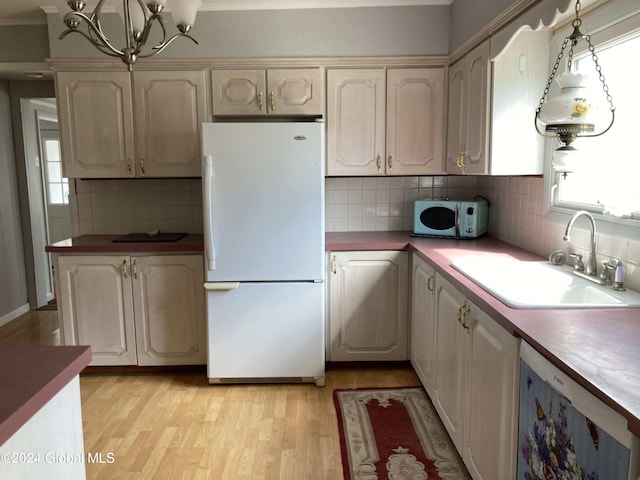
(264, 201)
(266, 331)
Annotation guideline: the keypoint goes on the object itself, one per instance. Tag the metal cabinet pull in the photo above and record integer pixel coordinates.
(390, 162)
(142, 165)
(130, 165)
(334, 265)
(430, 286)
(462, 316)
(125, 272)
(134, 269)
(379, 162)
(272, 100)
(460, 161)
(260, 104)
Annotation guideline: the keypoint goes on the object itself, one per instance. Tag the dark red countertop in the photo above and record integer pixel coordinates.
(599, 348)
(105, 244)
(31, 376)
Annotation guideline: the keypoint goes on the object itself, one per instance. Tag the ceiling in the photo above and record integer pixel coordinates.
(20, 12)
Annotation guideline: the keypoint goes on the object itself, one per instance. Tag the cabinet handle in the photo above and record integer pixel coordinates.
(260, 104)
(129, 165)
(462, 316)
(334, 265)
(272, 100)
(134, 269)
(142, 165)
(430, 287)
(460, 161)
(125, 272)
(379, 162)
(390, 162)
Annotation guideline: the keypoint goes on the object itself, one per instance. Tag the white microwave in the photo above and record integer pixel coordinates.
(450, 218)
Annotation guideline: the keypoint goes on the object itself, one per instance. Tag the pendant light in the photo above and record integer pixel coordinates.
(575, 112)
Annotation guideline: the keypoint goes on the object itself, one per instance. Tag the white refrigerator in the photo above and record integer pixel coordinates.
(263, 206)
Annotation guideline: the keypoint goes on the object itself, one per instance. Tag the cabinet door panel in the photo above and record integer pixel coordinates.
(457, 116)
(96, 304)
(239, 92)
(368, 306)
(170, 106)
(96, 123)
(294, 91)
(493, 390)
(169, 310)
(451, 373)
(478, 113)
(423, 322)
(355, 122)
(415, 118)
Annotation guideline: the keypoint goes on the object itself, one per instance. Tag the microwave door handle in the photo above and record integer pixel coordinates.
(458, 219)
(210, 253)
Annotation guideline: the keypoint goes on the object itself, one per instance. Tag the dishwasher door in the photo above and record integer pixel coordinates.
(565, 431)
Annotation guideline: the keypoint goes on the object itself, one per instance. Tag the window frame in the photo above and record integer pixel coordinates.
(608, 24)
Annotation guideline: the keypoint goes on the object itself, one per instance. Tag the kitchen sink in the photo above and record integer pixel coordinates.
(527, 284)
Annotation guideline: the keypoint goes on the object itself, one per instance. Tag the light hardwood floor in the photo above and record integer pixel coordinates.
(179, 427)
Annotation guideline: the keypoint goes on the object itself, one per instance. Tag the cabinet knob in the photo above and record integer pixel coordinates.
(260, 103)
(379, 162)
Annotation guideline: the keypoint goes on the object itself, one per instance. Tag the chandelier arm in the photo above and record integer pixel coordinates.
(535, 122)
(159, 48)
(92, 28)
(142, 41)
(103, 49)
(613, 117)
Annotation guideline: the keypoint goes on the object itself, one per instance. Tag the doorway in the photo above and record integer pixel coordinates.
(48, 191)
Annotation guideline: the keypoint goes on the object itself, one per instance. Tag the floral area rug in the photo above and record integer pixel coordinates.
(395, 434)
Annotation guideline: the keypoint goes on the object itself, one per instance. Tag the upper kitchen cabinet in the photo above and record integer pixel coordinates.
(385, 121)
(467, 137)
(125, 125)
(278, 91)
(492, 101)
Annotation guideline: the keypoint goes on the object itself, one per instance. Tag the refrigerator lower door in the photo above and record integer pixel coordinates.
(565, 431)
(266, 332)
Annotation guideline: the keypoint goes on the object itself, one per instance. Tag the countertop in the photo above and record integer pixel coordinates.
(30, 377)
(105, 244)
(599, 348)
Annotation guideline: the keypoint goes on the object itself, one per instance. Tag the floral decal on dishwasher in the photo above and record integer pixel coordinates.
(548, 450)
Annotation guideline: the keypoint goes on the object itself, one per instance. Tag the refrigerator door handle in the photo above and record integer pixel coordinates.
(207, 181)
(221, 285)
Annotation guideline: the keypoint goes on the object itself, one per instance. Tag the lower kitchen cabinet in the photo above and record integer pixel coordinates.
(423, 320)
(134, 310)
(476, 384)
(368, 305)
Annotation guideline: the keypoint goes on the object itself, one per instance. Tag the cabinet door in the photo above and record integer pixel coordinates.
(477, 140)
(96, 124)
(294, 91)
(239, 92)
(451, 357)
(423, 321)
(170, 106)
(355, 122)
(367, 306)
(469, 96)
(96, 305)
(415, 121)
(493, 394)
(169, 309)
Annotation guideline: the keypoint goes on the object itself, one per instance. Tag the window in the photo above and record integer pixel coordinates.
(608, 178)
(57, 185)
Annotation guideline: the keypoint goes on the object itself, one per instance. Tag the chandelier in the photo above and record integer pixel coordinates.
(573, 113)
(139, 17)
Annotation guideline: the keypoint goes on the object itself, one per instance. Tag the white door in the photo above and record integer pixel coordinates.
(266, 330)
(264, 197)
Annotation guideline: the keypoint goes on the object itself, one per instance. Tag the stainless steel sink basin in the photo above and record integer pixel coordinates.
(521, 284)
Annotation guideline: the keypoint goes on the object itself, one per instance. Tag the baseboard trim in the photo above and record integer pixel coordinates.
(14, 314)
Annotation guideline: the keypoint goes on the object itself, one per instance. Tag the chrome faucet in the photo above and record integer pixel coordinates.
(591, 267)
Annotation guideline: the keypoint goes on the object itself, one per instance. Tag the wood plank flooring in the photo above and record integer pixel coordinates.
(180, 427)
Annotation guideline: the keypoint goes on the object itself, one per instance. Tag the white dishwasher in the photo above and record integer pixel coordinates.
(565, 432)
